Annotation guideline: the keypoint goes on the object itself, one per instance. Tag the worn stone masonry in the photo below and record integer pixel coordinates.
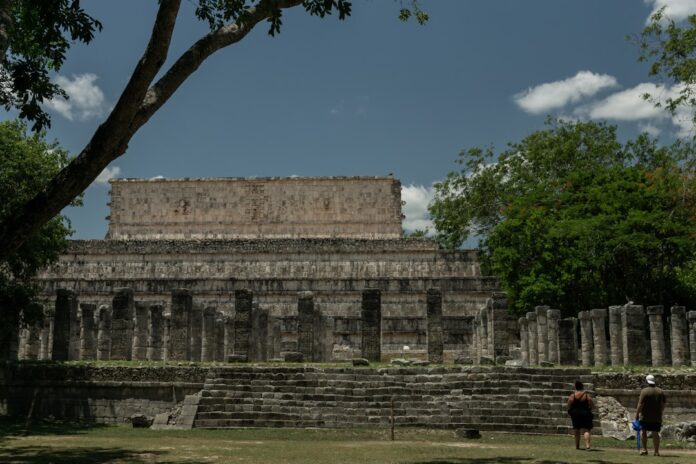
(691, 317)
(586, 339)
(434, 312)
(633, 328)
(155, 337)
(524, 339)
(568, 341)
(88, 339)
(599, 317)
(196, 331)
(180, 326)
(141, 329)
(542, 333)
(533, 340)
(371, 312)
(553, 316)
(66, 304)
(657, 335)
(104, 333)
(123, 308)
(615, 335)
(242, 322)
(679, 336)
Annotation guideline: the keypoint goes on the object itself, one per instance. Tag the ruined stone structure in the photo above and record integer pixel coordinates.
(245, 250)
(233, 208)
(628, 342)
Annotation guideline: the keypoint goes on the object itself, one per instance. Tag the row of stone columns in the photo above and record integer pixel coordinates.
(491, 330)
(632, 330)
(544, 337)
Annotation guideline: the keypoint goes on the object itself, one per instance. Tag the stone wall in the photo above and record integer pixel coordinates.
(358, 207)
(98, 394)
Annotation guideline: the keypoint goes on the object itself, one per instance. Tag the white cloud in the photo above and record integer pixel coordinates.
(551, 95)
(417, 198)
(649, 128)
(676, 10)
(627, 105)
(86, 100)
(106, 175)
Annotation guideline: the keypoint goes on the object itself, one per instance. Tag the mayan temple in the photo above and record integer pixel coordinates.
(326, 245)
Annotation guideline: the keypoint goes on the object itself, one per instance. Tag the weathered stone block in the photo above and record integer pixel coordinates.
(66, 306)
(242, 321)
(657, 335)
(122, 324)
(88, 342)
(180, 329)
(679, 336)
(435, 332)
(371, 314)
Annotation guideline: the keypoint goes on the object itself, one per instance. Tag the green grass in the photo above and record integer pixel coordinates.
(59, 443)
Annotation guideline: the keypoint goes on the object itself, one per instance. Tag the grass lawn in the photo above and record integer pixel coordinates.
(69, 443)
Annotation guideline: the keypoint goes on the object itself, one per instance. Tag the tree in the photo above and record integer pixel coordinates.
(230, 22)
(35, 35)
(671, 51)
(572, 218)
(26, 164)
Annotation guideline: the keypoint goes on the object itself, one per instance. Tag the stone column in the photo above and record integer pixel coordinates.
(276, 338)
(691, 317)
(484, 336)
(476, 343)
(242, 321)
(533, 340)
(679, 336)
(122, 325)
(104, 334)
(142, 323)
(166, 348)
(553, 316)
(74, 349)
(229, 336)
(524, 339)
(32, 347)
(323, 337)
(542, 333)
(196, 331)
(208, 338)
(305, 324)
(615, 335)
(180, 329)
(371, 315)
(219, 337)
(586, 344)
(498, 334)
(634, 345)
(46, 335)
(657, 335)
(66, 304)
(434, 314)
(88, 343)
(568, 341)
(599, 318)
(259, 334)
(156, 336)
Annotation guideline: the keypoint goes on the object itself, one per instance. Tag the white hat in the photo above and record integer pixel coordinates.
(650, 379)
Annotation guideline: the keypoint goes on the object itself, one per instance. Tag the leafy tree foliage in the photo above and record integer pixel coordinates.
(26, 164)
(34, 38)
(572, 218)
(671, 51)
(147, 90)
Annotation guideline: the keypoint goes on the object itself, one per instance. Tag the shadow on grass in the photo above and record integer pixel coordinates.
(17, 427)
(509, 460)
(43, 455)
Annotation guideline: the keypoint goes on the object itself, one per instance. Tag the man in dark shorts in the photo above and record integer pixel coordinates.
(651, 405)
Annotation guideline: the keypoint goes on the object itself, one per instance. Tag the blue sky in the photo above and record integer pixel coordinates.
(366, 96)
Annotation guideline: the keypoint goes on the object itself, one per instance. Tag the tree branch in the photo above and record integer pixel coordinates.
(107, 143)
(192, 58)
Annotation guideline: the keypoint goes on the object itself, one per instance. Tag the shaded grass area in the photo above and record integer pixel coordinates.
(63, 443)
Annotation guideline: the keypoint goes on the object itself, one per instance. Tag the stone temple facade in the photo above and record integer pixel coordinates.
(296, 249)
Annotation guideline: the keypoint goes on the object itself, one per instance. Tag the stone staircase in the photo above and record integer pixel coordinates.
(522, 400)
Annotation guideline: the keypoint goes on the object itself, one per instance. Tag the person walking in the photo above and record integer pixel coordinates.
(579, 407)
(651, 405)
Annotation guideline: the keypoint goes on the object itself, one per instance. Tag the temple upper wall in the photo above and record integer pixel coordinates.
(251, 208)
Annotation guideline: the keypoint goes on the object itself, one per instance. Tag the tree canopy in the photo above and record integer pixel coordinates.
(572, 218)
(671, 51)
(144, 94)
(26, 164)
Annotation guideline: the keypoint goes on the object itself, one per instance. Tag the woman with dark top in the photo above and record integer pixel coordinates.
(580, 409)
